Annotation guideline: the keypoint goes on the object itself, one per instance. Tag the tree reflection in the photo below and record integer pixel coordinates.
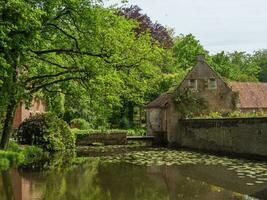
(66, 177)
(6, 190)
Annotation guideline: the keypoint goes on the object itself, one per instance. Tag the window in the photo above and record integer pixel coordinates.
(192, 83)
(212, 83)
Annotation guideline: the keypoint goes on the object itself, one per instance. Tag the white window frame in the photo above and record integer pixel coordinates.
(190, 86)
(209, 84)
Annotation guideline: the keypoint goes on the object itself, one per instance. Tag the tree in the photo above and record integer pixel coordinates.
(260, 58)
(158, 32)
(238, 66)
(185, 50)
(56, 45)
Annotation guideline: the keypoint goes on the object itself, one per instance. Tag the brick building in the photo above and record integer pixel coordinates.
(21, 113)
(221, 96)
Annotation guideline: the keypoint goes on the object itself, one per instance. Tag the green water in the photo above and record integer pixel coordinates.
(134, 173)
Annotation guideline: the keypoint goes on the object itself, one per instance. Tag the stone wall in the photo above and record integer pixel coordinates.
(156, 121)
(107, 139)
(240, 135)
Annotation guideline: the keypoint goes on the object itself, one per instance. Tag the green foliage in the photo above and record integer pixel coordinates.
(238, 66)
(80, 123)
(17, 155)
(12, 157)
(260, 58)
(211, 115)
(234, 114)
(124, 122)
(4, 162)
(87, 62)
(46, 131)
(76, 48)
(136, 131)
(238, 114)
(189, 103)
(32, 154)
(186, 49)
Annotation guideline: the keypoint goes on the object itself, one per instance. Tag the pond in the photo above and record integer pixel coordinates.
(135, 173)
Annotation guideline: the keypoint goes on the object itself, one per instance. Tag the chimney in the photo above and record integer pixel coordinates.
(201, 58)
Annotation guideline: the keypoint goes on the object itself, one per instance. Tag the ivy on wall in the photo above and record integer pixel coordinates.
(190, 104)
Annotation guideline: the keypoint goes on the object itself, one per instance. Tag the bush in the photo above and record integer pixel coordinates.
(234, 114)
(137, 131)
(4, 163)
(124, 123)
(46, 131)
(80, 124)
(12, 157)
(16, 155)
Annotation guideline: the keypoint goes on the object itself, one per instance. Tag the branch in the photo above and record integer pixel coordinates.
(53, 75)
(69, 51)
(36, 89)
(52, 63)
(66, 34)
(62, 13)
(57, 91)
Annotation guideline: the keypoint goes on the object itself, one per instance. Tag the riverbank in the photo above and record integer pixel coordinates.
(17, 155)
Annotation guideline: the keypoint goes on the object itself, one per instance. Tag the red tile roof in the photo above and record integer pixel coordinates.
(160, 102)
(251, 94)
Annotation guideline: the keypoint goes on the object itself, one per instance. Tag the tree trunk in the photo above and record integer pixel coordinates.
(130, 113)
(7, 184)
(7, 129)
(11, 106)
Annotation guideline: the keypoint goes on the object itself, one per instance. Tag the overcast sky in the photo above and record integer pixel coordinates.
(227, 25)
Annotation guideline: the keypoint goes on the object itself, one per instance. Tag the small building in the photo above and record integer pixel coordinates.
(221, 96)
(22, 112)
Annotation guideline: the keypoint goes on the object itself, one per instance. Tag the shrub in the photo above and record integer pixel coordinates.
(211, 115)
(80, 124)
(137, 131)
(12, 157)
(4, 163)
(124, 123)
(46, 131)
(17, 155)
(234, 114)
(31, 154)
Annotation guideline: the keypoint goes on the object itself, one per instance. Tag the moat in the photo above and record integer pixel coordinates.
(136, 173)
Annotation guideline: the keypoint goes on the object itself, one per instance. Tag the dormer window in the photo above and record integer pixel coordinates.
(212, 84)
(192, 84)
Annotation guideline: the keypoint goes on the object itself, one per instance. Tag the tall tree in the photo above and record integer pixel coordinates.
(238, 66)
(260, 57)
(55, 45)
(185, 50)
(158, 32)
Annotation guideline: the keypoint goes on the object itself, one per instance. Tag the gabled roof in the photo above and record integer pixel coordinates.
(251, 94)
(161, 101)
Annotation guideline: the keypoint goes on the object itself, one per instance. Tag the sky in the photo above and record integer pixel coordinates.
(220, 25)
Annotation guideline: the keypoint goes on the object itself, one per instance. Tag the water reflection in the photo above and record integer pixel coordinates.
(94, 178)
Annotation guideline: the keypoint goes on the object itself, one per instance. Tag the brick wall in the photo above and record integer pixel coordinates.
(22, 112)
